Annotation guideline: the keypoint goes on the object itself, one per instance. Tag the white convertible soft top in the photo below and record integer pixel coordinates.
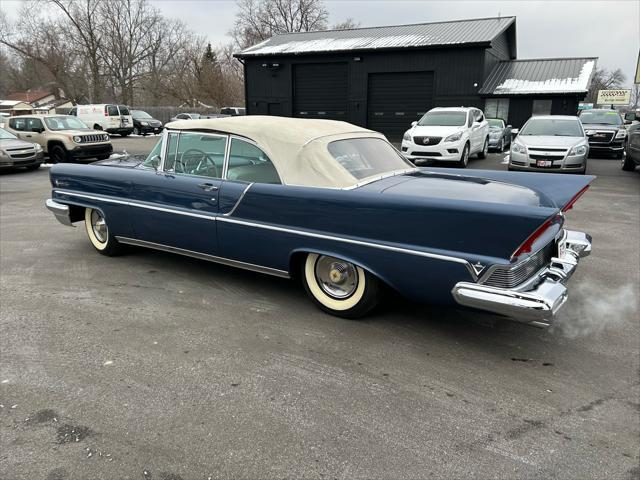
(297, 147)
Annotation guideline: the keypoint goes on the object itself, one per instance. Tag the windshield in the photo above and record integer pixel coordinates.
(443, 119)
(140, 114)
(608, 117)
(495, 123)
(552, 127)
(4, 135)
(364, 157)
(65, 123)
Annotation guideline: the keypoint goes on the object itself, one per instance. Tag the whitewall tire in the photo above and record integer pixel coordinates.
(99, 233)
(339, 287)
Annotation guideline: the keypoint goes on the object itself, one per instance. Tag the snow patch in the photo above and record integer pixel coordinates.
(339, 44)
(551, 85)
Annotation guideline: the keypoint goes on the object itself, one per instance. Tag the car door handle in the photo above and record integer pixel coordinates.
(208, 187)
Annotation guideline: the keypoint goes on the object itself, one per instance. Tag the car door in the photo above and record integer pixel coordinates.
(178, 203)
(476, 132)
(34, 132)
(248, 170)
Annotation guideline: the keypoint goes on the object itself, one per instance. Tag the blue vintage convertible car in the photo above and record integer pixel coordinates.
(339, 208)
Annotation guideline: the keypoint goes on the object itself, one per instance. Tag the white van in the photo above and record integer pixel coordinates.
(105, 116)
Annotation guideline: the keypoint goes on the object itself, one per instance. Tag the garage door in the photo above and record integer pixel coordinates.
(320, 90)
(397, 99)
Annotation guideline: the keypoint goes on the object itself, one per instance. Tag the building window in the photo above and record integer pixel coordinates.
(541, 107)
(497, 108)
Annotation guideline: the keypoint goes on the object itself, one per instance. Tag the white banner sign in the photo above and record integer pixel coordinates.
(614, 97)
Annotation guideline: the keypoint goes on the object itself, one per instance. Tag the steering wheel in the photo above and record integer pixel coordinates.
(205, 161)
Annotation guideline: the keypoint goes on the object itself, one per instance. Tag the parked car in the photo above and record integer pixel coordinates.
(338, 207)
(16, 153)
(550, 143)
(632, 148)
(3, 119)
(143, 123)
(64, 138)
(447, 135)
(606, 131)
(499, 134)
(108, 117)
(233, 111)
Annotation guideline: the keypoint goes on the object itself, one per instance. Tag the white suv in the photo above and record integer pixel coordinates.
(448, 135)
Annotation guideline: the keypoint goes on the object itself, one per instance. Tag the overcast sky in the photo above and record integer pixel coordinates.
(606, 29)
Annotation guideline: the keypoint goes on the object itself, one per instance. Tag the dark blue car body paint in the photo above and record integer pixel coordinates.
(480, 216)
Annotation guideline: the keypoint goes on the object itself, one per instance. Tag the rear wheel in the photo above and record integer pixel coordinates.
(501, 146)
(485, 149)
(464, 157)
(136, 131)
(99, 233)
(339, 287)
(58, 154)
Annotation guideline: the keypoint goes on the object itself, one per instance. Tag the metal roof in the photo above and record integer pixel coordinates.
(458, 32)
(539, 76)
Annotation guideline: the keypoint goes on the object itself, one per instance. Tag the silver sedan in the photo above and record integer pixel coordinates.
(550, 143)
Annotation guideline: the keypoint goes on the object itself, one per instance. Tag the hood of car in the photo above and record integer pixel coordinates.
(14, 143)
(438, 131)
(447, 186)
(122, 161)
(599, 126)
(549, 141)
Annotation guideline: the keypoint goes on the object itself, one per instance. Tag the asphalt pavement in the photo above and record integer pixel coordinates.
(156, 366)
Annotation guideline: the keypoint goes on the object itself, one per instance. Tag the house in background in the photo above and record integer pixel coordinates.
(39, 101)
(383, 78)
(15, 107)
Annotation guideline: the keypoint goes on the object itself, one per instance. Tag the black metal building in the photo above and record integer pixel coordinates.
(384, 78)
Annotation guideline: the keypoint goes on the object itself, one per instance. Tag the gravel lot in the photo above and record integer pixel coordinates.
(155, 366)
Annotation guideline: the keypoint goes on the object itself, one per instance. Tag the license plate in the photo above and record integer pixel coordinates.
(544, 163)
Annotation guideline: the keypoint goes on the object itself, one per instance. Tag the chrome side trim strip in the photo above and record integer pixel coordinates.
(230, 212)
(204, 256)
(353, 242)
(228, 219)
(136, 204)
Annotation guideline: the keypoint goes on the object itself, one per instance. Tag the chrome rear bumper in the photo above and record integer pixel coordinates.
(538, 299)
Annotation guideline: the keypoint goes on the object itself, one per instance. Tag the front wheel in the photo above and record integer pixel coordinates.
(464, 157)
(99, 233)
(485, 149)
(339, 287)
(136, 131)
(58, 154)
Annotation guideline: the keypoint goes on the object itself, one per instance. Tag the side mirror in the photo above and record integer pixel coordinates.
(627, 122)
(514, 131)
(413, 124)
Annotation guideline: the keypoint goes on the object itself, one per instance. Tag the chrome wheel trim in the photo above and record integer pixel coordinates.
(502, 145)
(485, 149)
(465, 155)
(337, 278)
(99, 226)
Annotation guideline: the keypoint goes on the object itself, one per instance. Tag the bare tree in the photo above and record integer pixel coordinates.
(347, 24)
(635, 96)
(604, 79)
(258, 20)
